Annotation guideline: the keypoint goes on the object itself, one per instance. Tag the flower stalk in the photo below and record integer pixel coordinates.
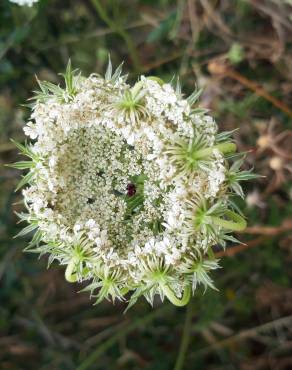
(172, 297)
(70, 272)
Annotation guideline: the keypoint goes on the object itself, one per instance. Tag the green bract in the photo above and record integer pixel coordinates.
(128, 187)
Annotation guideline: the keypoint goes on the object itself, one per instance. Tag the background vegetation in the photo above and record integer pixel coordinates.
(239, 52)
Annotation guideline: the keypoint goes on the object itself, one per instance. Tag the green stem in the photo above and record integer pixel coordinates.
(70, 275)
(237, 222)
(223, 148)
(93, 357)
(121, 32)
(185, 339)
(172, 297)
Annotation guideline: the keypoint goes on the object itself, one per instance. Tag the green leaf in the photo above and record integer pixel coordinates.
(27, 230)
(38, 235)
(25, 180)
(68, 76)
(236, 53)
(163, 29)
(201, 111)
(22, 165)
(109, 70)
(192, 99)
(178, 87)
(117, 73)
(25, 149)
(224, 136)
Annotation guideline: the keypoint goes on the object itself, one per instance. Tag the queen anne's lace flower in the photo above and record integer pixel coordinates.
(128, 187)
(24, 2)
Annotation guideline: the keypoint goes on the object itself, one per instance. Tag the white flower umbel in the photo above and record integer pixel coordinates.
(24, 2)
(128, 186)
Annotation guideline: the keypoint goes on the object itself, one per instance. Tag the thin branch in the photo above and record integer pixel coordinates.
(232, 251)
(264, 231)
(219, 68)
(270, 230)
(214, 16)
(246, 334)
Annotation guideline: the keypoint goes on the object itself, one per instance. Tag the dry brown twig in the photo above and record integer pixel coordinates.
(263, 231)
(246, 334)
(233, 250)
(195, 21)
(219, 68)
(269, 139)
(278, 162)
(270, 230)
(212, 18)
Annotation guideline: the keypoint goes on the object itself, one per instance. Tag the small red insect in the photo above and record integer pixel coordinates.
(131, 190)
